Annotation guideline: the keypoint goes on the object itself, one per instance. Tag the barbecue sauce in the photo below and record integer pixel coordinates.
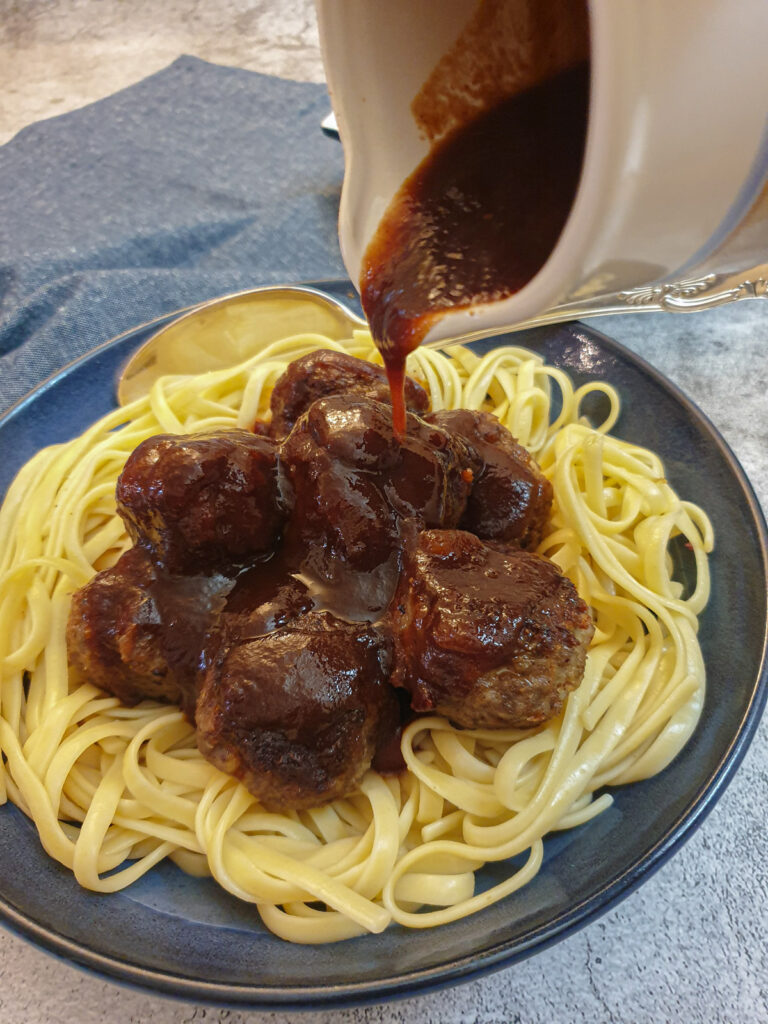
(477, 219)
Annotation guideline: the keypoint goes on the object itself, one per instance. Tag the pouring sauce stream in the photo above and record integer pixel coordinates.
(477, 219)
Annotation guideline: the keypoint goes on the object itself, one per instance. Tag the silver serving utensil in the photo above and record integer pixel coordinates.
(225, 331)
(228, 330)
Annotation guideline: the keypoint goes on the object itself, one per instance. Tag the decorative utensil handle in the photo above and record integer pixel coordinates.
(686, 296)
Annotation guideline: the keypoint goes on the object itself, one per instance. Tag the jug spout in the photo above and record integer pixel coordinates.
(666, 210)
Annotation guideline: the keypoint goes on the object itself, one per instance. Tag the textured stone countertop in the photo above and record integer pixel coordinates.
(690, 944)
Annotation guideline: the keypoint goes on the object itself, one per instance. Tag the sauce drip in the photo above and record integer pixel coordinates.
(477, 219)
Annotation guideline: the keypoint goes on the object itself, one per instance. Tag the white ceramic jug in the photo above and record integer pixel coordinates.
(672, 207)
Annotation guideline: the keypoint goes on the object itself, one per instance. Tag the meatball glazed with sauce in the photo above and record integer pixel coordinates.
(487, 635)
(302, 588)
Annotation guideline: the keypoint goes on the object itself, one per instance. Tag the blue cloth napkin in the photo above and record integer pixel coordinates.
(198, 181)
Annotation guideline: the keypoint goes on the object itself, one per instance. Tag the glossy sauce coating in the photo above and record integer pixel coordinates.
(489, 636)
(326, 372)
(477, 219)
(264, 596)
(511, 499)
(350, 486)
(296, 714)
(202, 501)
(140, 634)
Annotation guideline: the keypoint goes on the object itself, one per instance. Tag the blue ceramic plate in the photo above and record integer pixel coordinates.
(188, 938)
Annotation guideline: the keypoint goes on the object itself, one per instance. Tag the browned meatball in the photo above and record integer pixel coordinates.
(139, 634)
(263, 597)
(296, 714)
(350, 485)
(325, 372)
(511, 498)
(489, 637)
(202, 501)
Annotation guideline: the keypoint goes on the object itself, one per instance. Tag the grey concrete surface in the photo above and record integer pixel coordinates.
(56, 55)
(690, 945)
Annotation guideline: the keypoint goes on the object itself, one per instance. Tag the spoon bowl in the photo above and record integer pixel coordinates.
(226, 331)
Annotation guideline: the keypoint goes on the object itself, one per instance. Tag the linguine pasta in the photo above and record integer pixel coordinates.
(114, 790)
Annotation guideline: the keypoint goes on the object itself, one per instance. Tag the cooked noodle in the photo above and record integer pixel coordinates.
(114, 790)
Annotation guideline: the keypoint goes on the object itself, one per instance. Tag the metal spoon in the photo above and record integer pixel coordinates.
(225, 331)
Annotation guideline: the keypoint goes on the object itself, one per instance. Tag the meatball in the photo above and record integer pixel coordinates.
(490, 637)
(139, 634)
(350, 484)
(511, 498)
(263, 597)
(325, 372)
(296, 714)
(202, 501)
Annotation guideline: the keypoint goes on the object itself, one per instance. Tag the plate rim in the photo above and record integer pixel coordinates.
(500, 955)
